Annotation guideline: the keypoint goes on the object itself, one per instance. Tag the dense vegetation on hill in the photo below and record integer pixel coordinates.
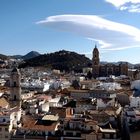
(3, 57)
(16, 56)
(62, 60)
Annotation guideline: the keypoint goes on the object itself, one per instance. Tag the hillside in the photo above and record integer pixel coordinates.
(63, 60)
(30, 55)
(3, 57)
(16, 56)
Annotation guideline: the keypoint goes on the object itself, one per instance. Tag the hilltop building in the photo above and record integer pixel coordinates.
(103, 70)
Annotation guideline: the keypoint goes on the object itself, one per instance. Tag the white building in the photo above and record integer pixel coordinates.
(89, 84)
(134, 101)
(103, 103)
(135, 84)
(35, 85)
(54, 102)
(110, 86)
(8, 120)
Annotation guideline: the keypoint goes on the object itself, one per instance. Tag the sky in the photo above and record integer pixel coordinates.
(75, 25)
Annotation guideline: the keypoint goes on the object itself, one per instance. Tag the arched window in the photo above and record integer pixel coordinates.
(15, 84)
(15, 97)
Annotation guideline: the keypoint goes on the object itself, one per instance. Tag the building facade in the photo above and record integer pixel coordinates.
(103, 70)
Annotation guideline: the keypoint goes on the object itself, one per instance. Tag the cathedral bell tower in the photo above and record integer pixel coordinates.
(15, 87)
(95, 63)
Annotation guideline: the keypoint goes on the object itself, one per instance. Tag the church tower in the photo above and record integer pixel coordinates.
(95, 63)
(15, 78)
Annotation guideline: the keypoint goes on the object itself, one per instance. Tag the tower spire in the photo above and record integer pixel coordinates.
(95, 46)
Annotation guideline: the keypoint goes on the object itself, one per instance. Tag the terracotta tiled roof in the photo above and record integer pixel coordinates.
(29, 123)
(3, 88)
(91, 122)
(44, 97)
(3, 103)
(61, 111)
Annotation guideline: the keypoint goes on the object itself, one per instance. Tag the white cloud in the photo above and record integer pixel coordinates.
(109, 35)
(134, 8)
(100, 43)
(121, 48)
(117, 3)
(129, 5)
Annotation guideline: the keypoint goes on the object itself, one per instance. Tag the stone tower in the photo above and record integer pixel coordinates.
(95, 63)
(15, 78)
(124, 68)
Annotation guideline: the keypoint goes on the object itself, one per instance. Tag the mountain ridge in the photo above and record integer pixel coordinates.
(3, 57)
(29, 55)
(34, 54)
(63, 60)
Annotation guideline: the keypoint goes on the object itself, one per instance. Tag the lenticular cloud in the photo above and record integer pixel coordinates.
(111, 35)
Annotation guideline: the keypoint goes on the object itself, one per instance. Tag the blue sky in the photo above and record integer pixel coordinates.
(75, 25)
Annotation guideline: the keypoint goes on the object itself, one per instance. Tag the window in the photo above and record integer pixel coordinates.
(6, 136)
(107, 136)
(95, 63)
(4, 119)
(82, 125)
(6, 129)
(15, 97)
(0, 129)
(91, 127)
(15, 84)
(78, 134)
(69, 134)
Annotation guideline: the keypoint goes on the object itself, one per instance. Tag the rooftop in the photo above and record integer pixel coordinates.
(3, 103)
(30, 123)
(108, 130)
(51, 117)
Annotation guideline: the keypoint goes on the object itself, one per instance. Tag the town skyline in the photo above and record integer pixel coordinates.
(76, 26)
